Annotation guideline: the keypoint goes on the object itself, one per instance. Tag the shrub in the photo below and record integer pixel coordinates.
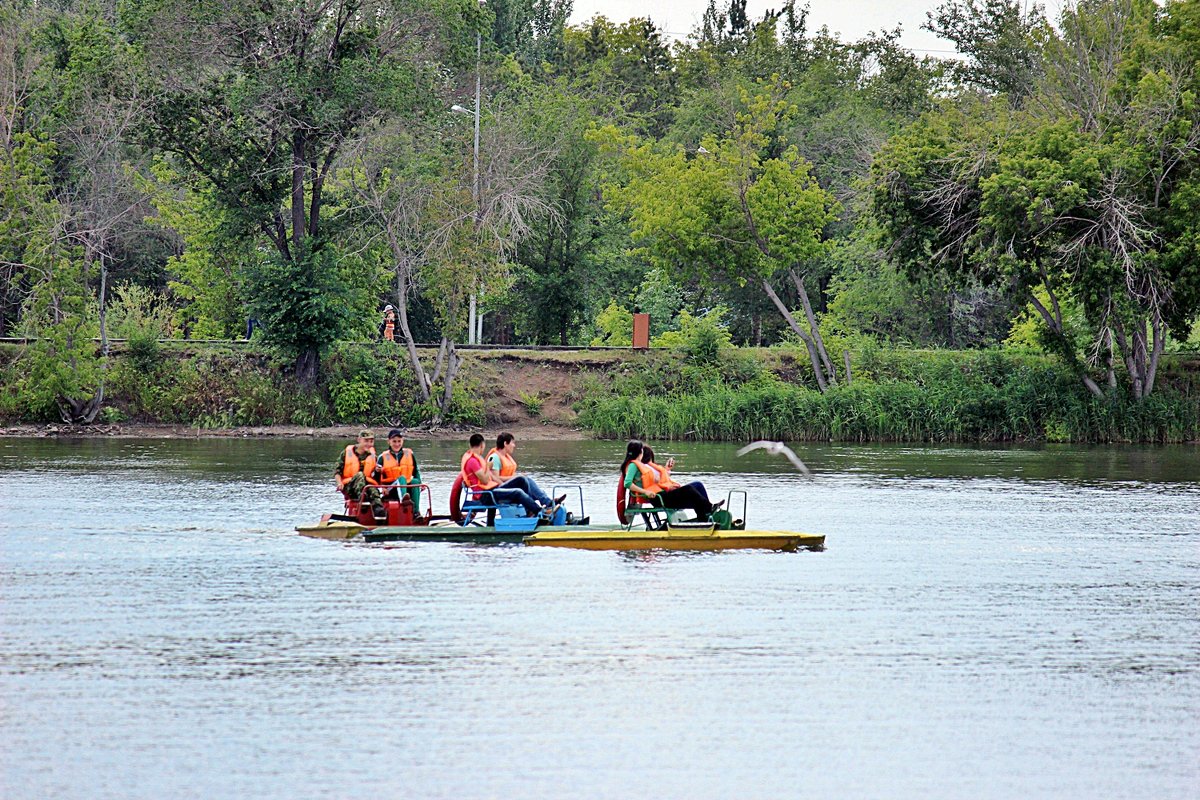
(352, 400)
(532, 402)
(143, 351)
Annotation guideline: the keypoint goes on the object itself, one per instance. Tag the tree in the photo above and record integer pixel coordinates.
(1058, 207)
(66, 131)
(1000, 40)
(732, 213)
(257, 101)
(437, 237)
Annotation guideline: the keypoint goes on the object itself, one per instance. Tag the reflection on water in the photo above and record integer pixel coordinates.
(984, 622)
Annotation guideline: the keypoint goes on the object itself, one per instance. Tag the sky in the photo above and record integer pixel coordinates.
(851, 18)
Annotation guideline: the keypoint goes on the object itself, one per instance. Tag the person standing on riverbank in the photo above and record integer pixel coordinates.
(353, 471)
(397, 466)
(387, 329)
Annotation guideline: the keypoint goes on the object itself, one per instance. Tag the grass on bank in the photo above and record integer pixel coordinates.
(938, 396)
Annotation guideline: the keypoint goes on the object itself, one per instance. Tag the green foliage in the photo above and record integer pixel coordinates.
(64, 366)
(143, 351)
(374, 384)
(614, 327)
(207, 275)
(703, 339)
(532, 402)
(661, 298)
(352, 400)
(303, 303)
(734, 213)
(1000, 401)
(138, 311)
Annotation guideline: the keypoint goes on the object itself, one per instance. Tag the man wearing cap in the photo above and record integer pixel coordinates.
(354, 470)
(398, 467)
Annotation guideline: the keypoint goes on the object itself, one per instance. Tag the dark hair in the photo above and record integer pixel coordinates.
(503, 439)
(632, 451)
(476, 439)
(647, 453)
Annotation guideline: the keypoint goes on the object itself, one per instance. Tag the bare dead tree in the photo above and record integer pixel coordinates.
(421, 218)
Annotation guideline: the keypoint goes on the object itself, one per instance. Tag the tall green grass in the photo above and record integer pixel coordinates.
(985, 398)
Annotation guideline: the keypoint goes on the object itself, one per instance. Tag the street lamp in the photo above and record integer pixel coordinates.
(474, 334)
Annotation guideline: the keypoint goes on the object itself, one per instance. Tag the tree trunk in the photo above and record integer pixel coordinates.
(307, 367)
(1054, 323)
(98, 400)
(452, 364)
(423, 382)
(812, 325)
(299, 167)
(818, 370)
(439, 362)
(1157, 329)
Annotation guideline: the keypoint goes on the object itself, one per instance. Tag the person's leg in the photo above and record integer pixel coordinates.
(690, 497)
(354, 491)
(517, 497)
(529, 486)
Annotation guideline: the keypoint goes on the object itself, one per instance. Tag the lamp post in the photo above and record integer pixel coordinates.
(474, 333)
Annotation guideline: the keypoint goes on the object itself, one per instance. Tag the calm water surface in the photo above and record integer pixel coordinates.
(983, 623)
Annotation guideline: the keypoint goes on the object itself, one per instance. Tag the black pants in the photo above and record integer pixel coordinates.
(691, 495)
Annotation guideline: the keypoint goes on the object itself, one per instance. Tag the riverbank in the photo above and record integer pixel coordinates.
(701, 391)
(154, 431)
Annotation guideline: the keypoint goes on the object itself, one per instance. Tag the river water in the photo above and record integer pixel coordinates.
(985, 623)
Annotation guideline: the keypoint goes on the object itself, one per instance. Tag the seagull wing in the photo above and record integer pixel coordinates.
(796, 462)
(755, 446)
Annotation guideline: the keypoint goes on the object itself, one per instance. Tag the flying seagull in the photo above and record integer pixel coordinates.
(776, 448)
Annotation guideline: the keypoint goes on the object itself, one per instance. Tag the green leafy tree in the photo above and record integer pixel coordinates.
(624, 70)
(1071, 205)
(732, 213)
(257, 101)
(1000, 39)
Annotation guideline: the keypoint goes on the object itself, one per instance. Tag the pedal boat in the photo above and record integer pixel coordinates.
(682, 536)
(669, 529)
(665, 529)
(404, 522)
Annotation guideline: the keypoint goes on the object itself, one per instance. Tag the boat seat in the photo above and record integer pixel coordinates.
(654, 517)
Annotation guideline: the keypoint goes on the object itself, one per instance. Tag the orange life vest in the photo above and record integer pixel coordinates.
(649, 479)
(508, 465)
(472, 480)
(389, 331)
(352, 465)
(390, 467)
(664, 480)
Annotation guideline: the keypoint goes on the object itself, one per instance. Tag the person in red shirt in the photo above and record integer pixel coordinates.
(484, 483)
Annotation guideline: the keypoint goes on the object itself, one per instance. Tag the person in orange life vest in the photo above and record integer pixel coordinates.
(484, 483)
(397, 466)
(354, 470)
(501, 462)
(662, 472)
(387, 329)
(641, 481)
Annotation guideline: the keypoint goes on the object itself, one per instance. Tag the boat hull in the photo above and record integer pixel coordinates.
(586, 537)
(621, 539)
(351, 531)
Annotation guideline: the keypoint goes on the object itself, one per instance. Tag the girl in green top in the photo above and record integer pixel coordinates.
(691, 496)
